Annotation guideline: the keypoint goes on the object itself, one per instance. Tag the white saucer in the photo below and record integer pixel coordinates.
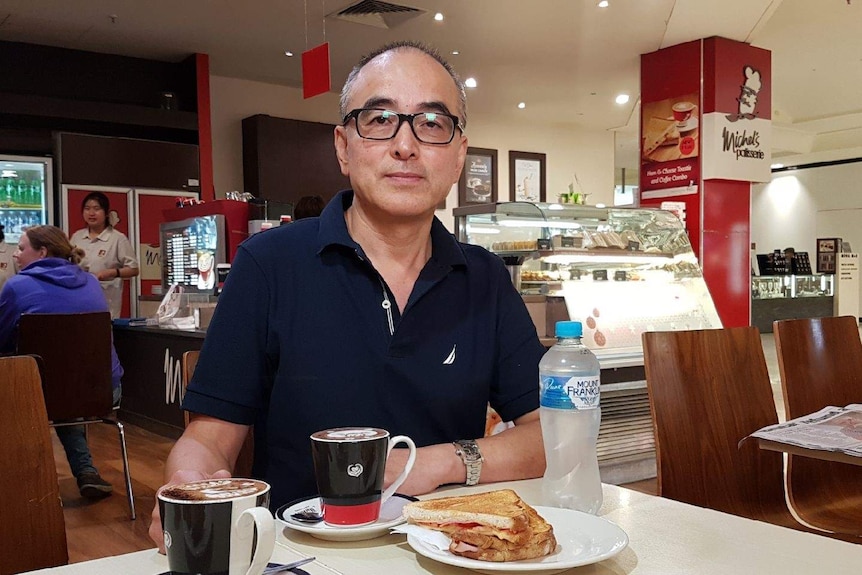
(390, 516)
(688, 125)
(582, 539)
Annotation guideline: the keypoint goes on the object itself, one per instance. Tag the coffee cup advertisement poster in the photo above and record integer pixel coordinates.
(478, 183)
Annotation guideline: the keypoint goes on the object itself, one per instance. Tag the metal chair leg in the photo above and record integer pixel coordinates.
(128, 475)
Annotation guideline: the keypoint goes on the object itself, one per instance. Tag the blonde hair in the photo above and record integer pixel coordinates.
(55, 242)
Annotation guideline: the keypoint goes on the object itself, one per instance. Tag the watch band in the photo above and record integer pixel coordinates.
(468, 451)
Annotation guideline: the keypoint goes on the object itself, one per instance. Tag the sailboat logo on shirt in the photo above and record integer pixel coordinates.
(451, 358)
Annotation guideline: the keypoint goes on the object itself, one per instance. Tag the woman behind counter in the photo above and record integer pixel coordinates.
(110, 256)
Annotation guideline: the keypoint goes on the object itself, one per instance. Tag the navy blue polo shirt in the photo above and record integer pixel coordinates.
(301, 341)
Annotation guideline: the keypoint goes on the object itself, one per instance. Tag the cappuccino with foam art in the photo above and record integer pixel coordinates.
(213, 490)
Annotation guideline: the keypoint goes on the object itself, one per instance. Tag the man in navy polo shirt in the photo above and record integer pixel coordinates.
(372, 314)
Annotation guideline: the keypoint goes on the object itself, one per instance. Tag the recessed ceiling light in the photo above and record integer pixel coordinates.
(603, 4)
(288, 53)
(438, 16)
(470, 82)
(522, 105)
(622, 99)
(455, 52)
(776, 166)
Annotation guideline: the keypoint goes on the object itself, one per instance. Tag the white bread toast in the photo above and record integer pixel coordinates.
(492, 526)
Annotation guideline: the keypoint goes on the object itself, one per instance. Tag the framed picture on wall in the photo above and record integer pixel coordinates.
(478, 183)
(527, 177)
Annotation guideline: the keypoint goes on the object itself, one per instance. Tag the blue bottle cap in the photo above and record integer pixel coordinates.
(569, 329)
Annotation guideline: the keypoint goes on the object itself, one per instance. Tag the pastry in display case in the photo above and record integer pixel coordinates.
(621, 271)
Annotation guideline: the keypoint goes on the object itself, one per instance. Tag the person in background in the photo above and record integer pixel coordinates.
(372, 314)
(51, 281)
(308, 207)
(7, 265)
(109, 254)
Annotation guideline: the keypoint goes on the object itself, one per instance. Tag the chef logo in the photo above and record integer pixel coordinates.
(748, 96)
(103, 253)
(355, 470)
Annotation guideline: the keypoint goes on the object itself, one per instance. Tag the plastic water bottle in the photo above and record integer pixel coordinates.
(570, 416)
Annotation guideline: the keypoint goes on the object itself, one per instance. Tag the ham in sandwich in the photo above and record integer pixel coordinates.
(492, 526)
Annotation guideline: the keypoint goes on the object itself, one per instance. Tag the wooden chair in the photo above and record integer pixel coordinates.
(245, 459)
(32, 528)
(820, 361)
(74, 352)
(708, 390)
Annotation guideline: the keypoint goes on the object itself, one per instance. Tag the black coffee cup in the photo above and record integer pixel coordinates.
(349, 466)
(217, 526)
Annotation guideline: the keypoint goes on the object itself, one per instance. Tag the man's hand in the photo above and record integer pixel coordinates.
(435, 465)
(180, 476)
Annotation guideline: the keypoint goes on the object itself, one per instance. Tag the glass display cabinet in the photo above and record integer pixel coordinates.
(790, 297)
(620, 272)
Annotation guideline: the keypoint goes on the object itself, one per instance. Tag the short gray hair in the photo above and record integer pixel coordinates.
(402, 45)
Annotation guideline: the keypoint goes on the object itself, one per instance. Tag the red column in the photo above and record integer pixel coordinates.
(708, 156)
(205, 143)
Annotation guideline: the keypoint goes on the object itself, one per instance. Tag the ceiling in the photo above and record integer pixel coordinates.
(566, 59)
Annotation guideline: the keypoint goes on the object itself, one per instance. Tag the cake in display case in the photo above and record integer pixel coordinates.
(621, 271)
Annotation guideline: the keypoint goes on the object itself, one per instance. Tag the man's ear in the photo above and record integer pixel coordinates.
(341, 153)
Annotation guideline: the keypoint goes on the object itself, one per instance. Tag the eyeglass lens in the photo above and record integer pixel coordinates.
(428, 127)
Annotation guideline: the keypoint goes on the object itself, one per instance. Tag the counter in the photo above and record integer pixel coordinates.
(790, 297)
(152, 384)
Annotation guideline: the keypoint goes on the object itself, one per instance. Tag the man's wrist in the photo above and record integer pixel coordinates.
(119, 276)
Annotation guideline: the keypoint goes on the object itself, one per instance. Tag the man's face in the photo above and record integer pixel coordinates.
(401, 177)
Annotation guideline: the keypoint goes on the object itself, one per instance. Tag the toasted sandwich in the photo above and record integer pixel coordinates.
(493, 526)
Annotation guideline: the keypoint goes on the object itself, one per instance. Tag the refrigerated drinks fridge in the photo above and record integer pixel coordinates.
(26, 198)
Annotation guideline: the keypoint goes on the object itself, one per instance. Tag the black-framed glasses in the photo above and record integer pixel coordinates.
(382, 124)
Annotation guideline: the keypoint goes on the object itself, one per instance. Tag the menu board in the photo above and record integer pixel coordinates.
(191, 250)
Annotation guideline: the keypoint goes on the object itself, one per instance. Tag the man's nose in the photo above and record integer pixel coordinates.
(405, 144)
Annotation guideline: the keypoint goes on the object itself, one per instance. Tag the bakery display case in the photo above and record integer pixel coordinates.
(620, 272)
(778, 297)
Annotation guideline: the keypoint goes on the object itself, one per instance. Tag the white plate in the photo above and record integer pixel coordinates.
(688, 125)
(582, 539)
(390, 516)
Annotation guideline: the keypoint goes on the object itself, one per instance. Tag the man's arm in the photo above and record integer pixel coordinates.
(208, 448)
(516, 453)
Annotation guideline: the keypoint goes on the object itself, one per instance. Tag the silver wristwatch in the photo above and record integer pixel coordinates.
(468, 451)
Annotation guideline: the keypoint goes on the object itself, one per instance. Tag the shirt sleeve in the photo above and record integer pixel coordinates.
(516, 391)
(125, 253)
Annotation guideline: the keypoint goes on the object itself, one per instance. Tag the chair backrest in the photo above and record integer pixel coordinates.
(245, 459)
(75, 352)
(820, 361)
(32, 528)
(708, 390)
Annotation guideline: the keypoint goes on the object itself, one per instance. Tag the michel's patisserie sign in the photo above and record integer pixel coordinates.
(737, 119)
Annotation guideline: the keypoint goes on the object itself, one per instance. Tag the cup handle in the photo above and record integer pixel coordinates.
(265, 526)
(411, 459)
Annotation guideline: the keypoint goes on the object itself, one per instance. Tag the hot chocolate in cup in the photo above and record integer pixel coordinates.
(217, 526)
(682, 111)
(349, 466)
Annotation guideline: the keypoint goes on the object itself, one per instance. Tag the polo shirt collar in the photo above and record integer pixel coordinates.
(333, 231)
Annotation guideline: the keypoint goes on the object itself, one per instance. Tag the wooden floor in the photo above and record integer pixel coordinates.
(102, 528)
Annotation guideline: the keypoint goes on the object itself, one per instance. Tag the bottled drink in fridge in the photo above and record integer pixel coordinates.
(570, 417)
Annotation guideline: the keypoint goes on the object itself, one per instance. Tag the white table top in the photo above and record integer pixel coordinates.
(665, 538)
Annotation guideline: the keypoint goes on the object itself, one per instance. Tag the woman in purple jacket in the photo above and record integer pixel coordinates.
(50, 281)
